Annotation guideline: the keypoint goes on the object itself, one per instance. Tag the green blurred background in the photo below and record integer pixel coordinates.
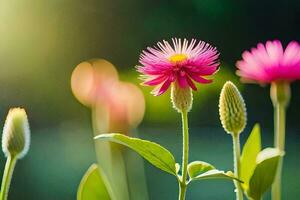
(41, 42)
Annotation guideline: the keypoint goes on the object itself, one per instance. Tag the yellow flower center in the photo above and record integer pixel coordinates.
(177, 58)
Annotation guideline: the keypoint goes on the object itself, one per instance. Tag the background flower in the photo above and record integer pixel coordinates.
(118, 106)
(269, 62)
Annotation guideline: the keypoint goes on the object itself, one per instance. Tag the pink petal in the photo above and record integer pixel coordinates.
(199, 79)
(162, 89)
(144, 70)
(191, 83)
(275, 51)
(202, 71)
(155, 81)
(291, 53)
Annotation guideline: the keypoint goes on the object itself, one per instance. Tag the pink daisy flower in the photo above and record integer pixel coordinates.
(270, 63)
(184, 63)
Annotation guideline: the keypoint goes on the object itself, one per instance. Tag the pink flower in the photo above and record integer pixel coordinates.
(269, 63)
(184, 63)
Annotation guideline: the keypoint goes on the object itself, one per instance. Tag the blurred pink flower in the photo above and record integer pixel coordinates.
(184, 63)
(125, 104)
(269, 63)
(117, 106)
(90, 79)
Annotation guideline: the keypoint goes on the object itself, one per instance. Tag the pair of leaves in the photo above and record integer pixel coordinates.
(163, 159)
(258, 167)
(92, 186)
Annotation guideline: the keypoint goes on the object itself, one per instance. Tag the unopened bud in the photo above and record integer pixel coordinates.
(16, 133)
(232, 109)
(182, 98)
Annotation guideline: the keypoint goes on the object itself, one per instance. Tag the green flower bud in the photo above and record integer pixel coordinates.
(16, 133)
(232, 109)
(182, 98)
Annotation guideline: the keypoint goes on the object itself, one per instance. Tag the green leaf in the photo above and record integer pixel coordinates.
(264, 173)
(250, 151)
(198, 167)
(215, 174)
(154, 153)
(92, 186)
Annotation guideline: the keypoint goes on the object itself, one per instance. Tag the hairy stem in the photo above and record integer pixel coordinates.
(237, 164)
(185, 155)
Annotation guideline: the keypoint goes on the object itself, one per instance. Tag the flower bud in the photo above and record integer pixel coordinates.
(182, 98)
(232, 109)
(16, 133)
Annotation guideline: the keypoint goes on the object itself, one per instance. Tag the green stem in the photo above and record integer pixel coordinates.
(280, 133)
(182, 191)
(280, 95)
(279, 141)
(185, 155)
(237, 164)
(7, 175)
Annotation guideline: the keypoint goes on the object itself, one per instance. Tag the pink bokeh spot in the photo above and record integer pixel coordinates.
(117, 106)
(270, 62)
(185, 63)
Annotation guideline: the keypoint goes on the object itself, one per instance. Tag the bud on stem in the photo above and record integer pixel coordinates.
(15, 144)
(16, 133)
(232, 109)
(233, 117)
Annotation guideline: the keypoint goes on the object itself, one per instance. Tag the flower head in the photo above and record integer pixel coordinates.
(184, 62)
(16, 133)
(270, 63)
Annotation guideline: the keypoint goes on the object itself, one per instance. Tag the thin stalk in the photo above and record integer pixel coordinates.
(7, 175)
(280, 94)
(185, 155)
(237, 164)
(279, 142)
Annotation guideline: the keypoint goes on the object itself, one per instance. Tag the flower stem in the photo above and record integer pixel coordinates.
(279, 141)
(185, 155)
(7, 175)
(237, 164)
(280, 95)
